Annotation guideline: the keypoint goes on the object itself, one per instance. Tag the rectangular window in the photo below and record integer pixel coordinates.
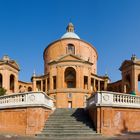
(54, 82)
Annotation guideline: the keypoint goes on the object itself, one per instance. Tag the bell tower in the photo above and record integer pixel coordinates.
(131, 75)
(9, 74)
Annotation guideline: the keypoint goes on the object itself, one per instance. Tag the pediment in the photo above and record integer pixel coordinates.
(11, 63)
(125, 64)
(70, 57)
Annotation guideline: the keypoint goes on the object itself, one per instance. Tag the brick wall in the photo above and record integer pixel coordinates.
(112, 121)
(23, 121)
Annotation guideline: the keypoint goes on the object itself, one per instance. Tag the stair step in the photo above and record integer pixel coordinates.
(68, 123)
(68, 135)
(69, 131)
(84, 129)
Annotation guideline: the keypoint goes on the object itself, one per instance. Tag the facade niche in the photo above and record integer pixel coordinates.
(71, 49)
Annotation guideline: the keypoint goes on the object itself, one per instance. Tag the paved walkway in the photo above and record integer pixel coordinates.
(129, 136)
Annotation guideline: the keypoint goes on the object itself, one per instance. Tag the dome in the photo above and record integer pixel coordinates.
(70, 32)
(70, 35)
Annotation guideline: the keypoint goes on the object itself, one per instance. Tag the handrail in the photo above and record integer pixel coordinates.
(26, 99)
(107, 98)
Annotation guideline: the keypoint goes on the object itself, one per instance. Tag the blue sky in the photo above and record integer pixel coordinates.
(28, 26)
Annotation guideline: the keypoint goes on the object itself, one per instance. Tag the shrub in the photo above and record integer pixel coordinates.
(2, 91)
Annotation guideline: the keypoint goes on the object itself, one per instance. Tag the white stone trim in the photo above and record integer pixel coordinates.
(26, 99)
(114, 99)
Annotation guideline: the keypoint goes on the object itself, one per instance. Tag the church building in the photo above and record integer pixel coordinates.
(70, 73)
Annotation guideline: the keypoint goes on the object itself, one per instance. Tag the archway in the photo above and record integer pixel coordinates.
(12, 83)
(127, 85)
(1, 80)
(70, 77)
(29, 89)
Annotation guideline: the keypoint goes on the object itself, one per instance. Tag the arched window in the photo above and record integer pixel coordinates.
(1, 80)
(70, 77)
(71, 49)
(12, 82)
(139, 82)
(29, 89)
(127, 86)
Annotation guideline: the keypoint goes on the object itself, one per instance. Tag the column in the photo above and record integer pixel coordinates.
(41, 85)
(94, 85)
(58, 79)
(98, 85)
(81, 78)
(78, 77)
(105, 84)
(62, 77)
(89, 79)
(46, 85)
(34, 84)
(51, 79)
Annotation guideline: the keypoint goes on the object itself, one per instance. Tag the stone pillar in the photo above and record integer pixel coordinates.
(124, 88)
(16, 84)
(62, 77)
(78, 77)
(34, 84)
(51, 79)
(41, 85)
(81, 78)
(46, 85)
(94, 85)
(6, 80)
(58, 79)
(89, 79)
(98, 85)
(105, 84)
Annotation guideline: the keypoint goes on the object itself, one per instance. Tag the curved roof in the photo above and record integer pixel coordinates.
(70, 32)
(70, 35)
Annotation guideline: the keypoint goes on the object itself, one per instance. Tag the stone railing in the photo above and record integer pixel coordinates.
(26, 99)
(107, 98)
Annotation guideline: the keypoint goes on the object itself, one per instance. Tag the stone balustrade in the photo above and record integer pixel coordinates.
(26, 99)
(107, 98)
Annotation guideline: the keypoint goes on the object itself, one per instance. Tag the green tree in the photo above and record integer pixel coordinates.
(2, 91)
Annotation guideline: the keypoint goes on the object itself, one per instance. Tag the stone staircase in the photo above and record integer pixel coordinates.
(70, 124)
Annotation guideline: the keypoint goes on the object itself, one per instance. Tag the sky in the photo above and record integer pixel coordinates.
(28, 26)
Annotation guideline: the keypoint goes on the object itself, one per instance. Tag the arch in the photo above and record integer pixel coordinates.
(71, 49)
(29, 89)
(12, 83)
(70, 77)
(1, 80)
(127, 85)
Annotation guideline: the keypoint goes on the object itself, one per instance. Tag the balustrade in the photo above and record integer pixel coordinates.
(108, 98)
(26, 99)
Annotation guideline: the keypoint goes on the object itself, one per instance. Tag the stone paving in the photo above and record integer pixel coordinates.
(129, 136)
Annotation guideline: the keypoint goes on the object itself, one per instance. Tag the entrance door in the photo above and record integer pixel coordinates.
(69, 104)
